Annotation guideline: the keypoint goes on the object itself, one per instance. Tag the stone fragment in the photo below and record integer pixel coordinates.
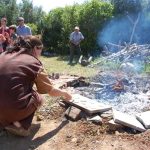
(96, 119)
(107, 115)
(144, 118)
(114, 126)
(73, 113)
(40, 117)
(128, 120)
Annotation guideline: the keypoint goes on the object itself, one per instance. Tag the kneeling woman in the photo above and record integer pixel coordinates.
(20, 69)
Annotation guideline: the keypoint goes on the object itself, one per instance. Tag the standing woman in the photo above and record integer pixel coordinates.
(4, 30)
(20, 68)
(13, 35)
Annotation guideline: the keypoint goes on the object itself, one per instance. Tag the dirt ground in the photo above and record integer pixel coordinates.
(54, 132)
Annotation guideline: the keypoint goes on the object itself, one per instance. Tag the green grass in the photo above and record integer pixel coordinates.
(60, 65)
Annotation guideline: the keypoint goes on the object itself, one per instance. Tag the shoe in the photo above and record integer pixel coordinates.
(18, 131)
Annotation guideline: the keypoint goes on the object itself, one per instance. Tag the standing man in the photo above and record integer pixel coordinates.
(22, 29)
(75, 38)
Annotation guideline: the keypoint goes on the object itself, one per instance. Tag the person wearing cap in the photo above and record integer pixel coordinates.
(75, 38)
(22, 29)
(20, 70)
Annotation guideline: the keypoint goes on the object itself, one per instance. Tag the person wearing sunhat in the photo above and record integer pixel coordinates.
(75, 38)
(22, 29)
(13, 35)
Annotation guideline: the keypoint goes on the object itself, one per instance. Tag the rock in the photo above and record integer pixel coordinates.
(96, 119)
(144, 119)
(128, 120)
(107, 115)
(73, 113)
(63, 104)
(40, 117)
(74, 140)
(114, 126)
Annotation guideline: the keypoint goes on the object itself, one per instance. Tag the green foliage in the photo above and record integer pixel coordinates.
(90, 17)
(93, 16)
(9, 9)
(56, 26)
(34, 28)
(52, 30)
(130, 6)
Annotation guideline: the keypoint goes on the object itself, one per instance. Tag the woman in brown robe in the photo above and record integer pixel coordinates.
(20, 68)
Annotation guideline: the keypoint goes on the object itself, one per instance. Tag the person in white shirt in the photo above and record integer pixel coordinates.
(75, 38)
(22, 29)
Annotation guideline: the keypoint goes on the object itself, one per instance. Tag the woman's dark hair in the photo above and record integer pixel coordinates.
(27, 43)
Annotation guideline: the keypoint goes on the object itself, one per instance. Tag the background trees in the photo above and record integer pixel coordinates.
(92, 17)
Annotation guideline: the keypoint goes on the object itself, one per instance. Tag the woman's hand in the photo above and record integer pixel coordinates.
(67, 96)
(57, 92)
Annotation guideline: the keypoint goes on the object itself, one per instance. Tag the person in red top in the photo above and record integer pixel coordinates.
(4, 30)
(2, 40)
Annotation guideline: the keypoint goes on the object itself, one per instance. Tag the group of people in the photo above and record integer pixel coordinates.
(9, 35)
(20, 70)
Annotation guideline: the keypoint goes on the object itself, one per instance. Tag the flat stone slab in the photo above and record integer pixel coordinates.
(128, 120)
(88, 105)
(144, 118)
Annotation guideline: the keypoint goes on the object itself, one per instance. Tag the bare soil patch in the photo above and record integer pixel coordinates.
(53, 132)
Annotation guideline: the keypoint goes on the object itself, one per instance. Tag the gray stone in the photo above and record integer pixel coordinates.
(128, 120)
(96, 119)
(73, 113)
(88, 105)
(107, 115)
(63, 104)
(114, 126)
(144, 118)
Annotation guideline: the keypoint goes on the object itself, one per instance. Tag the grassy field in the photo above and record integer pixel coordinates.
(60, 65)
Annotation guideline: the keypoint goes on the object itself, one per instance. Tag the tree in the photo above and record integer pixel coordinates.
(130, 6)
(52, 30)
(93, 16)
(9, 9)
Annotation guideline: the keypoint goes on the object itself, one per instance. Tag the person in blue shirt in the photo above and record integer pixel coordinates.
(75, 38)
(22, 29)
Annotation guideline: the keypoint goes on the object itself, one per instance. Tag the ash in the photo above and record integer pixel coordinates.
(132, 71)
